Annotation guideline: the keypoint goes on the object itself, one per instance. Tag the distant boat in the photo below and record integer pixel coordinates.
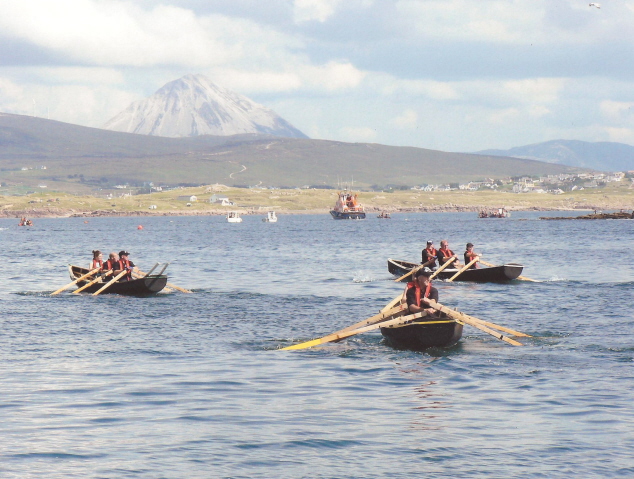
(270, 217)
(347, 207)
(234, 217)
(384, 215)
(499, 213)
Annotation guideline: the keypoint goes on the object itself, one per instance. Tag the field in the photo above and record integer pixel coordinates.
(253, 201)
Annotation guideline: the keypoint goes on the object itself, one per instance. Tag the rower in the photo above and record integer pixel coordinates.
(470, 255)
(420, 291)
(113, 259)
(429, 255)
(444, 253)
(97, 260)
(124, 264)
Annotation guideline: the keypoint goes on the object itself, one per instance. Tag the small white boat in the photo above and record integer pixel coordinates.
(270, 217)
(234, 217)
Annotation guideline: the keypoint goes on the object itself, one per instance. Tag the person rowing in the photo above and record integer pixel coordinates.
(124, 264)
(470, 255)
(429, 255)
(420, 291)
(97, 260)
(444, 254)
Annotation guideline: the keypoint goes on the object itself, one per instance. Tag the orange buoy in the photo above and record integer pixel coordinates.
(139, 227)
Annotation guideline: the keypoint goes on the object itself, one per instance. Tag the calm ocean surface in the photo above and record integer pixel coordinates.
(192, 386)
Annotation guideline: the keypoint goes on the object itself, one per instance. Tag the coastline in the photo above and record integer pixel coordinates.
(73, 213)
(251, 201)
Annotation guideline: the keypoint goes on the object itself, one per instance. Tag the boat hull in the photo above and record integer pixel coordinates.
(338, 215)
(146, 286)
(437, 332)
(496, 274)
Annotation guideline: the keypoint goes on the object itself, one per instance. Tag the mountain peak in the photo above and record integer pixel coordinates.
(193, 105)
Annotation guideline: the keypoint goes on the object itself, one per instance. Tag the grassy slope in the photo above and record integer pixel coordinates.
(73, 150)
(611, 197)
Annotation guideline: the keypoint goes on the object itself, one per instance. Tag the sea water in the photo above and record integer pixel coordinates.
(194, 385)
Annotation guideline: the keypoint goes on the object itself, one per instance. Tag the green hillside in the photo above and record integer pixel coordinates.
(84, 159)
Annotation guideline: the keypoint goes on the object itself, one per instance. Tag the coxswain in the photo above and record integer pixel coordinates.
(124, 264)
(470, 255)
(420, 291)
(97, 260)
(429, 255)
(444, 253)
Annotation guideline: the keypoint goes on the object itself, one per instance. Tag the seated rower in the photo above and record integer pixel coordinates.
(470, 255)
(429, 255)
(124, 264)
(444, 254)
(420, 291)
(110, 264)
(97, 260)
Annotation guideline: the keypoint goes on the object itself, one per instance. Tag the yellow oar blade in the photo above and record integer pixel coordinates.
(471, 322)
(74, 282)
(336, 336)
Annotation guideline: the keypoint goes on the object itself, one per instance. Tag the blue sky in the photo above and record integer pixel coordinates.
(453, 75)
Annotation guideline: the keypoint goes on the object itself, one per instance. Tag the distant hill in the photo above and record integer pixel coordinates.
(83, 158)
(194, 106)
(601, 156)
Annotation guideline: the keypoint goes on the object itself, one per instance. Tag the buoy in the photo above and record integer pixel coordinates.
(139, 227)
(85, 221)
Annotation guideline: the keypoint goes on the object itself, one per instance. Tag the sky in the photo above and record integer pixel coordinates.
(451, 75)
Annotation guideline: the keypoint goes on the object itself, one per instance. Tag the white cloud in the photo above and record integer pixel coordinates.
(621, 135)
(319, 10)
(332, 76)
(407, 120)
(617, 111)
(430, 88)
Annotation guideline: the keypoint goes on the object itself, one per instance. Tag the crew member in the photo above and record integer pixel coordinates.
(470, 255)
(97, 260)
(124, 264)
(444, 254)
(420, 291)
(110, 264)
(429, 255)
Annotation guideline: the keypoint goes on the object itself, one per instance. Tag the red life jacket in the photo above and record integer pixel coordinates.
(447, 253)
(432, 252)
(414, 284)
(97, 263)
(108, 265)
(123, 264)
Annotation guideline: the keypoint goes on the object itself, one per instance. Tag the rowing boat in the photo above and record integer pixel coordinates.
(495, 274)
(426, 333)
(147, 285)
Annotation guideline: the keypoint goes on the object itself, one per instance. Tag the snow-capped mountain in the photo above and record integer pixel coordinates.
(192, 106)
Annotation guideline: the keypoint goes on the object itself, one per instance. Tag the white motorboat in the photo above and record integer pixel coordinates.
(270, 217)
(234, 217)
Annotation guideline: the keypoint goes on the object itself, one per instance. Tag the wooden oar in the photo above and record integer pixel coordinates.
(495, 326)
(341, 335)
(107, 285)
(413, 270)
(447, 263)
(467, 320)
(522, 278)
(90, 273)
(79, 290)
(390, 314)
(182, 290)
(464, 268)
